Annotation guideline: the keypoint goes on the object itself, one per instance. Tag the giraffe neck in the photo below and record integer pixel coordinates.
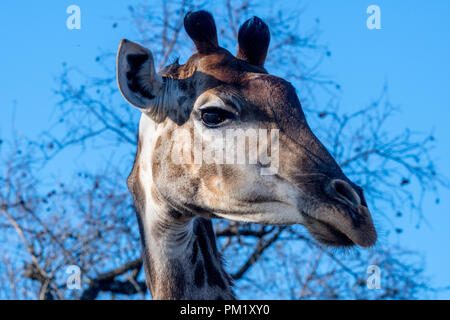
(180, 254)
(181, 258)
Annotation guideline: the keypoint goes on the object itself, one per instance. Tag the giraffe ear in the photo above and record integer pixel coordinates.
(138, 81)
(254, 39)
(201, 28)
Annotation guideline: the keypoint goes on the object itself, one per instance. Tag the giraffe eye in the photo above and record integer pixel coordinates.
(213, 117)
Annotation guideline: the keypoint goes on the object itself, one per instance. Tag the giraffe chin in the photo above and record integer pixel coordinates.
(329, 236)
(341, 234)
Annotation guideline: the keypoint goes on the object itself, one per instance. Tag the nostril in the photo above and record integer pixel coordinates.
(344, 190)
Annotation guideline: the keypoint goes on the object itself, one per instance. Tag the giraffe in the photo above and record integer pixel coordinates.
(212, 92)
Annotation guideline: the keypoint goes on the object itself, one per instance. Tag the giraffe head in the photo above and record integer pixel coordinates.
(199, 118)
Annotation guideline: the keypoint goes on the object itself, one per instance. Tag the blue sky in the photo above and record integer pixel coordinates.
(411, 53)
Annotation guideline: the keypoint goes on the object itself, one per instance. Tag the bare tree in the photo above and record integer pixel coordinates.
(88, 220)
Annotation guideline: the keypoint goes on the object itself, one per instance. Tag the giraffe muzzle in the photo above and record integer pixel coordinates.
(342, 220)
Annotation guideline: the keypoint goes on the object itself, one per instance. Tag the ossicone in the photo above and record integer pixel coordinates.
(201, 28)
(254, 39)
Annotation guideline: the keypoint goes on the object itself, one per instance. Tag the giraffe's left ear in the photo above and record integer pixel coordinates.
(254, 39)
